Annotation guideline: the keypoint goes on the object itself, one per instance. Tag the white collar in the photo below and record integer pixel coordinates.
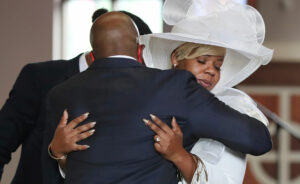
(83, 62)
(121, 56)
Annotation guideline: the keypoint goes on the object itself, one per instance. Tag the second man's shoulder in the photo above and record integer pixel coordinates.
(52, 64)
(51, 67)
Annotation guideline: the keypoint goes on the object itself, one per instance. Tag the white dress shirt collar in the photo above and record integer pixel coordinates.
(121, 56)
(83, 63)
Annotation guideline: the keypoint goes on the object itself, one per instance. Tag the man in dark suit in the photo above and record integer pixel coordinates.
(22, 116)
(119, 92)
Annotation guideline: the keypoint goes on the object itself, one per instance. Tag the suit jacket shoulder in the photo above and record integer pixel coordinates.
(22, 111)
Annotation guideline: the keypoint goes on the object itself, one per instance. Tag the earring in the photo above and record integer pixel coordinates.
(174, 65)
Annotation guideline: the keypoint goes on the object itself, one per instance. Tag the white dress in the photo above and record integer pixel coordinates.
(225, 166)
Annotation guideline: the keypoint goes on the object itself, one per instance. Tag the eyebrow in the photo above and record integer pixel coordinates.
(219, 59)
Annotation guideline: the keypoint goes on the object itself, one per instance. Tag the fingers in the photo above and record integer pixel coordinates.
(84, 135)
(157, 138)
(84, 128)
(154, 127)
(64, 119)
(81, 147)
(158, 147)
(161, 124)
(78, 147)
(67, 136)
(78, 120)
(81, 137)
(175, 127)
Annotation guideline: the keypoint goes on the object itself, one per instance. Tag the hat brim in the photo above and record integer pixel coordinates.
(238, 64)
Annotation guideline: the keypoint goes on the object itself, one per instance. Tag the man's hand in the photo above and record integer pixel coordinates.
(67, 135)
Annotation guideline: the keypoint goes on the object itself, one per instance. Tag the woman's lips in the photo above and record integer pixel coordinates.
(204, 83)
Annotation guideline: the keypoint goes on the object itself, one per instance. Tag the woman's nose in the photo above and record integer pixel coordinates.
(210, 69)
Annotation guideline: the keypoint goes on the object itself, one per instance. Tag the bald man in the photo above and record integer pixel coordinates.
(22, 116)
(118, 92)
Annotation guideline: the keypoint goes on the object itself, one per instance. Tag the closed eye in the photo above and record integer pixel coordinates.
(201, 61)
(218, 68)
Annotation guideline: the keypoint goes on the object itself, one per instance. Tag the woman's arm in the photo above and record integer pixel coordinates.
(224, 165)
(193, 171)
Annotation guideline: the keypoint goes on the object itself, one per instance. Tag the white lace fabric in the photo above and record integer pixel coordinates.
(223, 164)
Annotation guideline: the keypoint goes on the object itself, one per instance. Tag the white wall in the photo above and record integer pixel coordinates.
(25, 36)
(282, 27)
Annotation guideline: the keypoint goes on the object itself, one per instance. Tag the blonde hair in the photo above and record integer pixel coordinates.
(190, 50)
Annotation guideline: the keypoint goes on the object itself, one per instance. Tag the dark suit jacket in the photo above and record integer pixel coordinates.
(118, 93)
(22, 116)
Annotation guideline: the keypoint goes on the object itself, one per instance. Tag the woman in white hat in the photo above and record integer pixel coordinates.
(220, 42)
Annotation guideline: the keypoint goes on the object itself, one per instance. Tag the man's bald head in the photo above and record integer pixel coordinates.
(113, 33)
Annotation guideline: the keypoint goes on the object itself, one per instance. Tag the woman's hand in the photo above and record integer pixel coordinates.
(168, 142)
(67, 135)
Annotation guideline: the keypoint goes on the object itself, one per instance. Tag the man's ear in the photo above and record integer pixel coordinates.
(174, 60)
(140, 53)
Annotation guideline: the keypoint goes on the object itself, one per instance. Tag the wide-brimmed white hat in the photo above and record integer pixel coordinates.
(238, 28)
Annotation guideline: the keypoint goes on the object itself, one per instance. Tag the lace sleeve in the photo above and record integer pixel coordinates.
(200, 176)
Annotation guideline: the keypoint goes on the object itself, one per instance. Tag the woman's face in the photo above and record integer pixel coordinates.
(205, 68)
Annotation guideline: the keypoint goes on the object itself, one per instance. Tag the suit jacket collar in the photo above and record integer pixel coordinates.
(115, 62)
(73, 67)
